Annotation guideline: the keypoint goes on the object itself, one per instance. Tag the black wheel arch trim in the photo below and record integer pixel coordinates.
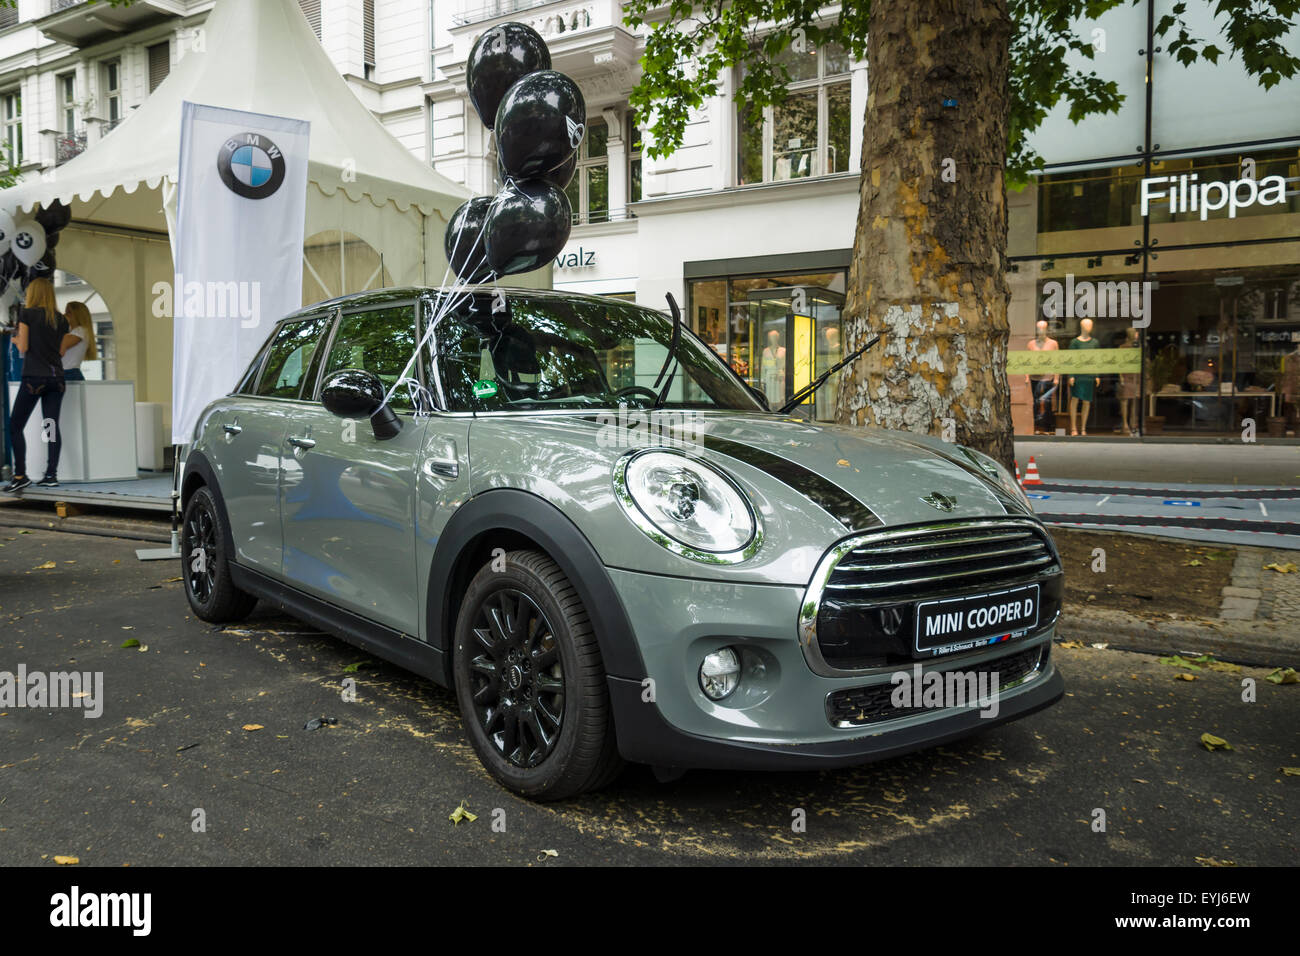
(510, 510)
(196, 463)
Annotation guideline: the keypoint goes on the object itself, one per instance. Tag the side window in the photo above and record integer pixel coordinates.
(380, 341)
(289, 357)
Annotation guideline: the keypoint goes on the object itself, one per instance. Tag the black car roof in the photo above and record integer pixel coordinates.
(406, 293)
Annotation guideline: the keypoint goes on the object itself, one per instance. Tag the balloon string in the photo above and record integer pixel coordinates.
(454, 296)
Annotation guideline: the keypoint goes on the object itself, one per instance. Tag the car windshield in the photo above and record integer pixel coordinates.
(552, 352)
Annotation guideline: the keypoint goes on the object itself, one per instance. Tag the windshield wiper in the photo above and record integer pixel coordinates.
(672, 354)
(808, 389)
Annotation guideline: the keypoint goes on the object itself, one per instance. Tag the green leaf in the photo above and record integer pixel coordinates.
(130, 642)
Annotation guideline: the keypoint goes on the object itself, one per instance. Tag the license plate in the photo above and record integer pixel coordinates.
(959, 624)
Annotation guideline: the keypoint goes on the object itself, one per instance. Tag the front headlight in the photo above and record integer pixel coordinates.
(687, 506)
(994, 469)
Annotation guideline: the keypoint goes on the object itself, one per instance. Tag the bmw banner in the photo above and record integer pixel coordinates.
(240, 211)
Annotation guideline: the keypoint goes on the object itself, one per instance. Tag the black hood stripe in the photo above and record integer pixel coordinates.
(830, 497)
(820, 490)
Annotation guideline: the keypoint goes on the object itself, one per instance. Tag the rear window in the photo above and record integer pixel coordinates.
(289, 356)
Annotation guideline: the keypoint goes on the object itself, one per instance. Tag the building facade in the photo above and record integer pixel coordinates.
(750, 224)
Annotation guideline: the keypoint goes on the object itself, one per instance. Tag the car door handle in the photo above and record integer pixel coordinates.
(233, 429)
(442, 467)
(302, 443)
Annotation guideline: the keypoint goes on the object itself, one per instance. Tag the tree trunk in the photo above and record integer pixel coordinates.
(930, 248)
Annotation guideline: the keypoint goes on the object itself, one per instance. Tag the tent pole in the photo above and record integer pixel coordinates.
(173, 552)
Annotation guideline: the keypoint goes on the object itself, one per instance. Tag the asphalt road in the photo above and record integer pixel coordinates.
(378, 787)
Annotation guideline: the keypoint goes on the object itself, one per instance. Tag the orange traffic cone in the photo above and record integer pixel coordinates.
(1017, 464)
(1031, 474)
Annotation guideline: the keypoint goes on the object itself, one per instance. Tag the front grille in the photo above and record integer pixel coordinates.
(866, 612)
(908, 565)
(860, 706)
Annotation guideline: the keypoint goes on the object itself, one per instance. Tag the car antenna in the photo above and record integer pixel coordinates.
(672, 351)
(808, 389)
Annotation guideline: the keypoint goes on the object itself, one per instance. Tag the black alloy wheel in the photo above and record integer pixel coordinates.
(517, 679)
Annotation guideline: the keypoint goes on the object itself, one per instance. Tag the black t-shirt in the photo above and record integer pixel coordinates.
(43, 341)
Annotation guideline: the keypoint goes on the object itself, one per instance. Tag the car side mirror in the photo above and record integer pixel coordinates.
(355, 393)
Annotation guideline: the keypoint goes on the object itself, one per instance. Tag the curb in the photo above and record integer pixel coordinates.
(96, 526)
(1264, 644)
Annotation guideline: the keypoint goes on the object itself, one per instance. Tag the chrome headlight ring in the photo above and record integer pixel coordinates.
(662, 536)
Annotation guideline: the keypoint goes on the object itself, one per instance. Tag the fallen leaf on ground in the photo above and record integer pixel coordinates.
(1283, 676)
(130, 642)
(1288, 568)
(1184, 677)
(354, 667)
(45, 567)
(1072, 643)
(1290, 771)
(67, 860)
(252, 727)
(1211, 861)
(460, 813)
(1192, 563)
(546, 853)
(1212, 742)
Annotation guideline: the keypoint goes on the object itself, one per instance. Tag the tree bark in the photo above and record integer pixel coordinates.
(929, 254)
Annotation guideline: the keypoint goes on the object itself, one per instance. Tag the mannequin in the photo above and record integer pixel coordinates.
(1043, 386)
(1128, 388)
(774, 369)
(1081, 386)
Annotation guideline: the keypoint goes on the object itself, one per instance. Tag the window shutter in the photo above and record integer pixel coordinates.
(368, 31)
(311, 10)
(160, 64)
(8, 17)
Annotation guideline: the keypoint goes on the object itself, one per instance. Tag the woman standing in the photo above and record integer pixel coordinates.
(42, 338)
(80, 326)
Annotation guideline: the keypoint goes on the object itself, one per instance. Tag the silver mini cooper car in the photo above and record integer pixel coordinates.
(571, 511)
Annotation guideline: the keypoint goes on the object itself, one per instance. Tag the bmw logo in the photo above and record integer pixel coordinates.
(251, 165)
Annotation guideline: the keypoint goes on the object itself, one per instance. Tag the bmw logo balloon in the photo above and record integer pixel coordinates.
(251, 165)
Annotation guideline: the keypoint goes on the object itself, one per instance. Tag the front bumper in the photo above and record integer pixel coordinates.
(778, 717)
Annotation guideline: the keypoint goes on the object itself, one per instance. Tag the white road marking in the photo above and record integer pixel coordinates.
(1263, 509)
(1103, 501)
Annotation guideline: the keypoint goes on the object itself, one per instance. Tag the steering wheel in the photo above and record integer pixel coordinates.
(630, 390)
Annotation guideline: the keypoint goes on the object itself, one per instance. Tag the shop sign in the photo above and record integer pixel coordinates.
(576, 260)
(1074, 362)
(1185, 194)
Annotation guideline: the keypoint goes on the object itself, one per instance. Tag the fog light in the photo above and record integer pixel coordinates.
(720, 673)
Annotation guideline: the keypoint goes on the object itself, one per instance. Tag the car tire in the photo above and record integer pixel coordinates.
(205, 565)
(522, 634)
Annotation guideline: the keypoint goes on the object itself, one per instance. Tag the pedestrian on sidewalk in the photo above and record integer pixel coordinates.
(42, 338)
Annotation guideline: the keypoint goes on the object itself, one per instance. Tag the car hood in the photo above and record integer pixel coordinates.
(889, 473)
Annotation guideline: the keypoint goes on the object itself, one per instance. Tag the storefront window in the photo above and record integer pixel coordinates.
(779, 332)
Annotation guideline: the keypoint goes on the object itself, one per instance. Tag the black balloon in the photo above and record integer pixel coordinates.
(43, 269)
(500, 58)
(463, 240)
(540, 125)
(527, 225)
(559, 176)
(54, 217)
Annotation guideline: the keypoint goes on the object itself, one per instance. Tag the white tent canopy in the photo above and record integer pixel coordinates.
(368, 195)
(260, 56)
